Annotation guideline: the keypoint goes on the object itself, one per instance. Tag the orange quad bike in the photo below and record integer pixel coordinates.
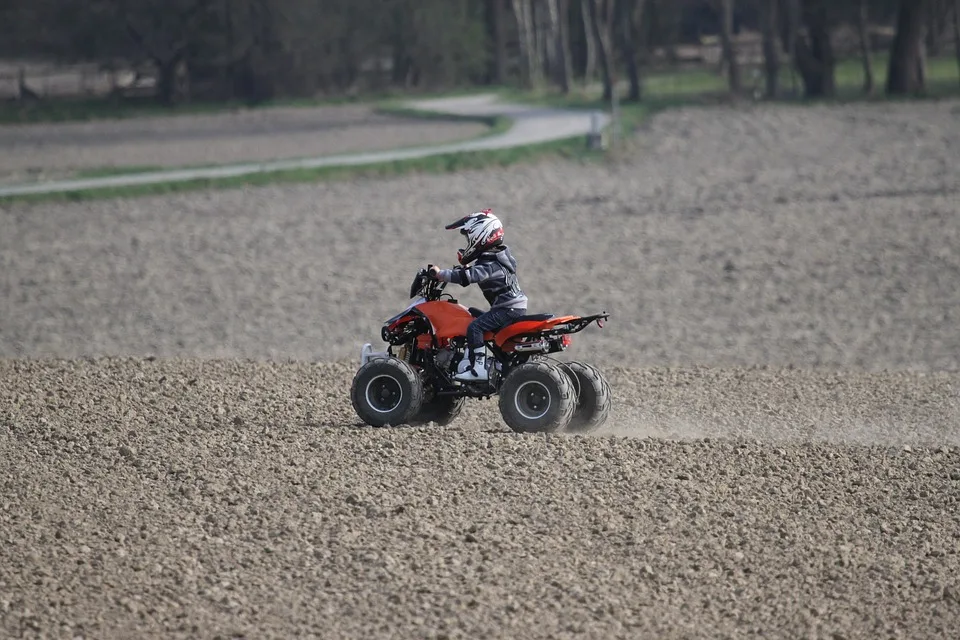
(412, 382)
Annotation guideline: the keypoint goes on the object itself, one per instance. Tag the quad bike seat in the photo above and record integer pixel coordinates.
(536, 317)
(532, 317)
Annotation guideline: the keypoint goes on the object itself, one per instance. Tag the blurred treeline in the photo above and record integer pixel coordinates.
(264, 49)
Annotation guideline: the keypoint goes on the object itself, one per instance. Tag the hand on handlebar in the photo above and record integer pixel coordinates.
(433, 271)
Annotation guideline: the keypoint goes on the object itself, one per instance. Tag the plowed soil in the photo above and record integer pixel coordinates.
(179, 457)
(43, 151)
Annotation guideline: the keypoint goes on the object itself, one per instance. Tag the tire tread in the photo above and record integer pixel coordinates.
(414, 384)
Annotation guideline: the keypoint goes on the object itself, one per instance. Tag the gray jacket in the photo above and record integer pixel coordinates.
(496, 273)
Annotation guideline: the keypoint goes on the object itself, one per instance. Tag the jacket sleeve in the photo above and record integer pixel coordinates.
(458, 276)
(466, 276)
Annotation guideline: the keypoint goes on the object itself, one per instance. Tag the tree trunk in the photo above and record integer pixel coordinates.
(529, 54)
(560, 70)
(227, 70)
(534, 40)
(864, 34)
(523, 43)
(566, 54)
(626, 13)
(790, 27)
(905, 73)
(956, 29)
(590, 66)
(542, 39)
(814, 54)
(729, 50)
(937, 14)
(603, 50)
(172, 79)
(771, 55)
(500, 18)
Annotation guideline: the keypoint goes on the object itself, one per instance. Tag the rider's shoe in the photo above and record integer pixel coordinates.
(475, 371)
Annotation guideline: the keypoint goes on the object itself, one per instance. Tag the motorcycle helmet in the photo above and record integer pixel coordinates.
(483, 231)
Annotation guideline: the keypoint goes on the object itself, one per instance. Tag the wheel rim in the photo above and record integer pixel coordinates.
(383, 394)
(532, 400)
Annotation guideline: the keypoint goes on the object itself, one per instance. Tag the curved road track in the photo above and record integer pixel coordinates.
(531, 125)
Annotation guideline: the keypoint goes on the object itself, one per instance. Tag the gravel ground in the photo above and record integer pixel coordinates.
(782, 459)
(42, 151)
(186, 498)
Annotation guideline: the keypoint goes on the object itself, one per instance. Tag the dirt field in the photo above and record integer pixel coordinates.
(46, 150)
(782, 461)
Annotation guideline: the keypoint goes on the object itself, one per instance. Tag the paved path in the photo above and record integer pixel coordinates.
(531, 125)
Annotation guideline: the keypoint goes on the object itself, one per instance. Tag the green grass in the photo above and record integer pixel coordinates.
(942, 73)
(943, 78)
(664, 90)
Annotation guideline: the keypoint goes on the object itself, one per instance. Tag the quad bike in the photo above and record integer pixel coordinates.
(412, 382)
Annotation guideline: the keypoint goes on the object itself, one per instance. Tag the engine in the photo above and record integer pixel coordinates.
(445, 358)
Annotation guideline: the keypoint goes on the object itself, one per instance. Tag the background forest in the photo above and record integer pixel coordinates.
(258, 50)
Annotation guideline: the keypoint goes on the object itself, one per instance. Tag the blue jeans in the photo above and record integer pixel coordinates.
(490, 321)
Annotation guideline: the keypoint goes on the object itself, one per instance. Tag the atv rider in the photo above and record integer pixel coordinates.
(495, 270)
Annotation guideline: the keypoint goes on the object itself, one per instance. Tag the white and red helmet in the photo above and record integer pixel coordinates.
(483, 231)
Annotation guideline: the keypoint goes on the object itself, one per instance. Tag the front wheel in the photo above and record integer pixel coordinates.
(441, 410)
(537, 397)
(386, 391)
(593, 397)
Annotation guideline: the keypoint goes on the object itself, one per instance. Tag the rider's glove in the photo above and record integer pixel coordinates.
(433, 271)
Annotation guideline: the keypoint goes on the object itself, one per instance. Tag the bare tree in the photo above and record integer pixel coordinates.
(905, 74)
(628, 14)
(541, 38)
(559, 44)
(938, 13)
(726, 42)
(500, 27)
(814, 57)
(790, 28)
(529, 53)
(563, 7)
(771, 53)
(956, 29)
(864, 35)
(590, 68)
(165, 30)
(600, 30)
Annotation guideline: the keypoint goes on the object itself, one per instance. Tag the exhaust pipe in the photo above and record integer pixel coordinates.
(526, 347)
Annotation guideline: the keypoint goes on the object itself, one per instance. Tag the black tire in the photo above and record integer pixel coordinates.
(386, 391)
(537, 397)
(441, 409)
(594, 398)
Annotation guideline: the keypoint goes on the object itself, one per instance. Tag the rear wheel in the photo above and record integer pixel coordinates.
(386, 391)
(593, 397)
(537, 397)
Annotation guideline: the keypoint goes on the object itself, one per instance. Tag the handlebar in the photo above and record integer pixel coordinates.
(426, 285)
